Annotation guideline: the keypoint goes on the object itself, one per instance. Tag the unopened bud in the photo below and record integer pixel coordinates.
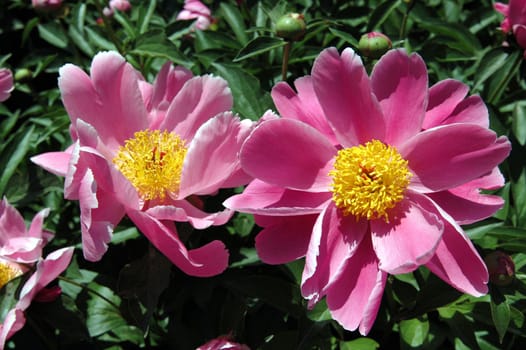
(374, 44)
(500, 267)
(23, 75)
(291, 27)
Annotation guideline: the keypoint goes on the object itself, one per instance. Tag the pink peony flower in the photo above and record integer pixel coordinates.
(367, 176)
(6, 84)
(20, 253)
(514, 19)
(120, 5)
(148, 151)
(222, 343)
(195, 9)
(46, 5)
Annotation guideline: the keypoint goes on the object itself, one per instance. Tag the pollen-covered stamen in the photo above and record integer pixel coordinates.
(8, 273)
(369, 179)
(152, 161)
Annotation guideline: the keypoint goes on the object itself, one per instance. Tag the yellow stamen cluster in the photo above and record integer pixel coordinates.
(369, 179)
(7, 273)
(152, 161)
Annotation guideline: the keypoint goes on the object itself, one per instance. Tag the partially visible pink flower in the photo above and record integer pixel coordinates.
(6, 84)
(222, 343)
(46, 5)
(514, 20)
(195, 9)
(21, 253)
(120, 5)
(147, 151)
(370, 196)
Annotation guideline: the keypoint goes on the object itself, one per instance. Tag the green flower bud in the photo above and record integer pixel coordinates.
(501, 268)
(291, 27)
(23, 75)
(374, 44)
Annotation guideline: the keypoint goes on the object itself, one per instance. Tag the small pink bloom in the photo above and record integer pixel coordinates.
(120, 5)
(514, 19)
(222, 343)
(6, 84)
(195, 9)
(20, 253)
(388, 158)
(46, 5)
(146, 151)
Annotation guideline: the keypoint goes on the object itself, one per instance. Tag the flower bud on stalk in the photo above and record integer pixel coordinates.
(501, 268)
(291, 27)
(374, 44)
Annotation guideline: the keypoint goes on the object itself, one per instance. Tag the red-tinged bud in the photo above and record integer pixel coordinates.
(374, 44)
(291, 27)
(501, 268)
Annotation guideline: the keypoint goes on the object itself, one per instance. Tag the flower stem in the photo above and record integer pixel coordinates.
(403, 27)
(285, 62)
(90, 290)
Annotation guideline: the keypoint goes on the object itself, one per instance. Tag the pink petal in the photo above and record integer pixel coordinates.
(517, 12)
(12, 224)
(55, 162)
(354, 299)
(200, 99)
(399, 82)
(212, 156)
(265, 199)
(302, 106)
(334, 240)
(502, 8)
(457, 262)
(208, 260)
(466, 204)
(443, 99)
(344, 93)
(184, 211)
(291, 234)
(46, 271)
(6, 84)
(290, 154)
(12, 323)
(111, 97)
(410, 238)
(448, 156)
(520, 34)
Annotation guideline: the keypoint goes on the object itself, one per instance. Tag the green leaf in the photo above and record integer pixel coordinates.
(54, 34)
(99, 40)
(155, 44)
(12, 160)
(145, 20)
(414, 332)
(500, 313)
(234, 18)
(102, 316)
(360, 344)
(126, 24)
(249, 100)
(518, 125)
(498, 81)
(79, 39)
(344, 36)
(320, 312)
(454, 35)
(381, 13)
(258, 46)
(490, 63)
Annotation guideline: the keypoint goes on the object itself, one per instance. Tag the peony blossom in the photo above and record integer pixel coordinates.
(46, 5)
(222, 343)
(148, 151)
(195, 9)
(370, 176)
(120, 5)
(6, 84)
(21, 253)
(514, 20)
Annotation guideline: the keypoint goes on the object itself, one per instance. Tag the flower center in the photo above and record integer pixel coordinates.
(7, 273)
(369, 179)
(152, 161)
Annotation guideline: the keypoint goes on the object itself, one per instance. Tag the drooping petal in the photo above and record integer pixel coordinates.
(200, 99)
(302, 106)
(334, 240)
(208, 260)
(290, 154)
(265, 199)
(11, 223)
(213, 155)
(410, 237)
(399, 82)
(466, 204)
(291, 234)
(110, 97)
(457, 262)
(12, 323)
(448, 156)
(354, 299)
(344, 93)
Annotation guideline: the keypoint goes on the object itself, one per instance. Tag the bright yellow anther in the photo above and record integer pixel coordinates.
(8, 273)
(369, 179)
(152, 161)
